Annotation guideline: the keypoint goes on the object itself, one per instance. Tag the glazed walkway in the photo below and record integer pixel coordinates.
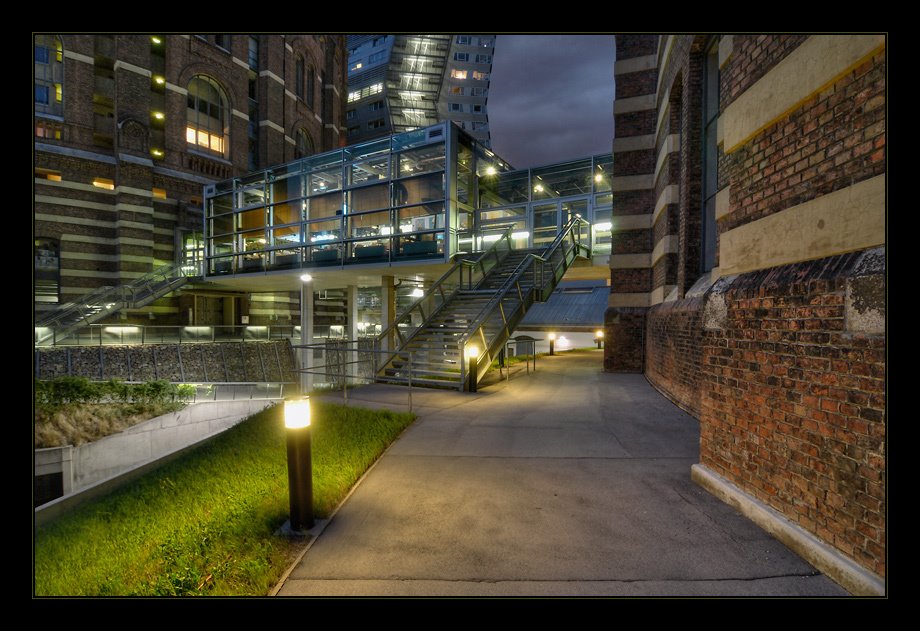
(567, 482)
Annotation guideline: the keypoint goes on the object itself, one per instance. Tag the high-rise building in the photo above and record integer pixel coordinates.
(130, 128)
(398, 83)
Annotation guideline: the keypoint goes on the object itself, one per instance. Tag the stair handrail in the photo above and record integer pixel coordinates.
(531, 259)
(458, 267)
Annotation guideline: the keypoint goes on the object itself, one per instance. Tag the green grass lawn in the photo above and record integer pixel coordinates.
(204, 524)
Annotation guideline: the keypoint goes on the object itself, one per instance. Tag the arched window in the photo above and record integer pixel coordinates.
(47, 269)
(208, 121)
(298, 76)
(311, 80)
(304, 146)
(49, 75)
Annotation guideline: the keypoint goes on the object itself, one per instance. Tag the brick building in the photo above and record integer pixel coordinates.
(130, 128)
(748, 273)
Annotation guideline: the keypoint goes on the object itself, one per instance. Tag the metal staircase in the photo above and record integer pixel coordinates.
(107, 300)
(449, 337)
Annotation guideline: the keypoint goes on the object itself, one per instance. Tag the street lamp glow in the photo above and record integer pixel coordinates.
(552, 337)
(599, 334)
(472, 351)
(297, 413)
(306, 278)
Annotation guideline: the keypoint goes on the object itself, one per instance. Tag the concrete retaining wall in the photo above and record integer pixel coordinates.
(96, 468)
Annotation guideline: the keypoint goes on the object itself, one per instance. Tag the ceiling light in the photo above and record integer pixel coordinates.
(490, 171)
(598, 178)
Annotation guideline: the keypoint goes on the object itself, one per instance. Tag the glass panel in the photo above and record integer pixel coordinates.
(254, 240)
(419, 190)
(326, 180)
(252, 196)
(410, 139)
(570, 209)
(422, 245)
(503, 188)
(222, 244)
(286, 236)
(359, 152)
(369, 198)
(287, 188)
(370, 250)
(603, 200)
(562, 180)
(419, 218)
(545, 228)
(369, 224)
(250, 219)
(422, 160)
(222, 224)
(369, 171)
(221, 204)
(325, 206)
(517, 211)
(603, 172)
(287, 213)
(323, 231)
(324, 254)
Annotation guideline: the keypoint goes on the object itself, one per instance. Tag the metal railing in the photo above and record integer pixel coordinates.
(107, 300)
(499, 317)
(118, 334)
(464, 274)
(338, 371)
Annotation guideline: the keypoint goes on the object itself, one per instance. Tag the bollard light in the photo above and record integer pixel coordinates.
(599, 337)
(472, 353)
(300, 462)
(552, 343)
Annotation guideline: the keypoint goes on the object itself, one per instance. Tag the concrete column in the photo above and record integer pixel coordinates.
(387, 307)
(306, 334)
(351, 327)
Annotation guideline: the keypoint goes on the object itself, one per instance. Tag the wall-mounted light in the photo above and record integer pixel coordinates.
(156, 40)
(159, 115)
(159, 80)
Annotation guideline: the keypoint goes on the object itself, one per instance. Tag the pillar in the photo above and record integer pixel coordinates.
(306, 334)
(387, 308)
(351, 330)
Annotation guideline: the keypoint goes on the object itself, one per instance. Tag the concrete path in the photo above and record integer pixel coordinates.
(566, 482)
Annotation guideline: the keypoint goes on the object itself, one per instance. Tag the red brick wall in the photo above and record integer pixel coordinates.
(793, 405)
(673, 352)
(755, 55)
(835, 139)
(624, 335)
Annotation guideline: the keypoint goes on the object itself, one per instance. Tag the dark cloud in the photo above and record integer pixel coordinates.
(551, 97)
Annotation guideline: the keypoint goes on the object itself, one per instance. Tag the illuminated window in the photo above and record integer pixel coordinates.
(365, 92)
(480, 76)
(456, 89)
(49, 75)
(45, 130)
(457, 74)
(159, 193)
(102, 182)
(304, 146)
(208, 120)
(48, 174)
(355, 66)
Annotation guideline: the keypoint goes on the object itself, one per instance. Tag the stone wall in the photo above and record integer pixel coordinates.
(201, 363)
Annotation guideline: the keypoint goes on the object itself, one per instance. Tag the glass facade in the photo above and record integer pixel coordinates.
(426, 194)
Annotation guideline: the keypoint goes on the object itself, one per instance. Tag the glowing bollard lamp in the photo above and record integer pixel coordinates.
(300, 462)
(472, 353)
(599, 337)
(552, 343)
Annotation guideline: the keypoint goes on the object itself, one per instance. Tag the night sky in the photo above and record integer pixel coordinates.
(551, 97)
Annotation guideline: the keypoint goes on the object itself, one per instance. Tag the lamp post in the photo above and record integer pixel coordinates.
(599, 337)
(472, 353)
(552, 343)
(300, 462)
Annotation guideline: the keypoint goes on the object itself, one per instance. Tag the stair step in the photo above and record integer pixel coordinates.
(422, 373)
(427, 383)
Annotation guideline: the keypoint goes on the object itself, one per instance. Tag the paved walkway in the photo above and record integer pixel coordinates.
(566, 482)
